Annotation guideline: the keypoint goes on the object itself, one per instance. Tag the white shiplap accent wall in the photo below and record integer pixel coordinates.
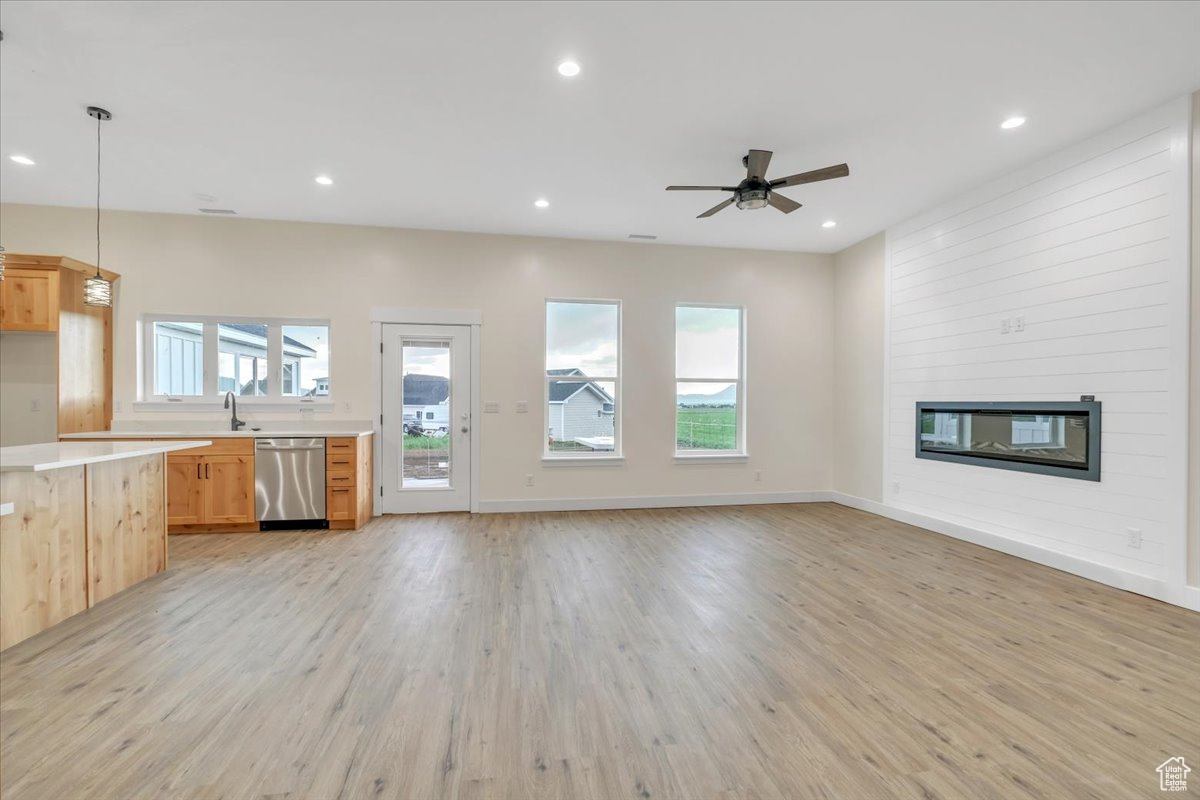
(1090, 246)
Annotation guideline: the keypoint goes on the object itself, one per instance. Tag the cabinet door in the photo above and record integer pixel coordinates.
(229, 489)
(185, 490)
(339, 503)
(29, 300)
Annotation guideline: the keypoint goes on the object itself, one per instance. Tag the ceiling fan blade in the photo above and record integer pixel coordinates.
(824, 174)
(756, 164)
(701, 188)
(785, 204)
(715, 208)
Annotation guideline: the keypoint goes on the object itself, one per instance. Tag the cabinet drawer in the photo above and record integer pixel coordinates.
(338, 462)
(345, 445)
(339, 478)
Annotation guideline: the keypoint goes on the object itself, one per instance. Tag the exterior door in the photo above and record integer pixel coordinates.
(426, 441)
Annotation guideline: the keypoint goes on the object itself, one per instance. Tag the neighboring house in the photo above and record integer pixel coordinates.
(576, 408)
(321, 389)
(422, 391)
(241, 359)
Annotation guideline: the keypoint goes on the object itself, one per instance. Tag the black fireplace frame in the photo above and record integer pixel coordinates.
(1090, 471)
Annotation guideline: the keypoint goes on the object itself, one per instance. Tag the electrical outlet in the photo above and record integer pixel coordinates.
(529, 480)
(1005, 325)
(1019, 324)
(1135, 538)
(35, 405)
(758, 475)
(522, 406)
(117, 406)
(491, 407)
(895, 487)
(346, 406)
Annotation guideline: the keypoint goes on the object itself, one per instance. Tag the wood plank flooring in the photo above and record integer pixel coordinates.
(806, 651)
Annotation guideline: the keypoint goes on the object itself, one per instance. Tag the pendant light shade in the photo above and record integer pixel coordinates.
(97, 290)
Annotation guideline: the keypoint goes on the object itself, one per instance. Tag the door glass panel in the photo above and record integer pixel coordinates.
(428, 417)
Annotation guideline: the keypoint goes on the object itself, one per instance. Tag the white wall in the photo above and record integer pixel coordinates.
(1090, 246)
(28, 375)
(858, 369)
(203, 265)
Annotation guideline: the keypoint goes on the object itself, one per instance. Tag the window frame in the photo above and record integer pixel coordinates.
(740, 451)
(616, 455)
(210, 398)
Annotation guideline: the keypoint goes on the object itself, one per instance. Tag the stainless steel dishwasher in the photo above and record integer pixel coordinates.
(289, 481)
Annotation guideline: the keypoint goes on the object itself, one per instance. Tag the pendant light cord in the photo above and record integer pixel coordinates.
(98, 122)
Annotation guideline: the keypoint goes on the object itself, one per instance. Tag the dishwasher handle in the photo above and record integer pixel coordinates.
(299, 447)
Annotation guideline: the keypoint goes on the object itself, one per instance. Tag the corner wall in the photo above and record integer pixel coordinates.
(858, 369)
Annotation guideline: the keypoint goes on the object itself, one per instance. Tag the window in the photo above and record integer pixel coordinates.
(186, 359)
(709, 391)
(178, 358)
(583, 367)
(305, 360)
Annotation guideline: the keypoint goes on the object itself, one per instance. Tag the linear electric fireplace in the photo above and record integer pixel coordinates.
(1047, 438)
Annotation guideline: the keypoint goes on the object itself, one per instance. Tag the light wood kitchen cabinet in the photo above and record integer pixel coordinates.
(348, 470)
(29, 300)
(185, 490)
(228, 488)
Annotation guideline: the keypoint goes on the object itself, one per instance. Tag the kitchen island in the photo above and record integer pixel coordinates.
(88, 520)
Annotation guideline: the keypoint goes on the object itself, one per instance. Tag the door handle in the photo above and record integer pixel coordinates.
(465, 429)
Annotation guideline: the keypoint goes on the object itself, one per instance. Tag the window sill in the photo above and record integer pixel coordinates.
(192, 405)
(712, 458)
(563, 461)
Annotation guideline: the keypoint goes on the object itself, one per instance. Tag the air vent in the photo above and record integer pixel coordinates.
(226, 211)
(649, 237)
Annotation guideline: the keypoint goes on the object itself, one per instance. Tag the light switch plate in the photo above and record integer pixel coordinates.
(522, 406)
(491, 407)
(1019, 324)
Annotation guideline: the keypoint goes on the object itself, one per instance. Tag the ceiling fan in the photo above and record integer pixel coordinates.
(756, 191)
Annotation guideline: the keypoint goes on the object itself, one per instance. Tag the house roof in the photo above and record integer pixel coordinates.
(560, 391)
(425, 390)
(256, 330)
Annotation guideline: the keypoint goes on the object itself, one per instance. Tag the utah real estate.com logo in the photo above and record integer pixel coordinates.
(1172, 775)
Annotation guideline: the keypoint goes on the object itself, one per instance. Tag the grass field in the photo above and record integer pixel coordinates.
(706, 429)
(435, 443)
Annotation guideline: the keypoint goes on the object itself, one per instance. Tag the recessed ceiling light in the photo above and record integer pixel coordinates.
(1012, 122)
(542, 202)
(568, 69)
(26, 160)
(828, 224)
(324, 180)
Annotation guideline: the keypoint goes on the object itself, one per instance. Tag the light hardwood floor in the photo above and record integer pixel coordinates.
(805, 651)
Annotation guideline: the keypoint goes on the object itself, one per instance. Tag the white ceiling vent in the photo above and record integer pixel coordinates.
(225, 211)
(648, 237)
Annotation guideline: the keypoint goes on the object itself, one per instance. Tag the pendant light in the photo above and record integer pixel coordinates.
(97, 291)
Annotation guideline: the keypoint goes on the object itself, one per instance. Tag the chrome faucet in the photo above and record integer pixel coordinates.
(234, 422)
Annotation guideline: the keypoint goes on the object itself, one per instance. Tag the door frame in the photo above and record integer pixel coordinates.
(380, 316)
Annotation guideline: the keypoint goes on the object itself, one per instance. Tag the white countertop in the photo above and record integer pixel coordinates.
(218, 434)
(56, 455)
(6, 509)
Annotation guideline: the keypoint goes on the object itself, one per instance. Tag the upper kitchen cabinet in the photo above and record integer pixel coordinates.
(28, 299)
(49, 330)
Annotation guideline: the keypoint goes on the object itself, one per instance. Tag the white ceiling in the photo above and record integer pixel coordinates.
(452, 115)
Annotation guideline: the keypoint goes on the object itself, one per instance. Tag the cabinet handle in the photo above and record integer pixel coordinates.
(197, 470)
(339, 479)
(339, 490)
(206, 469)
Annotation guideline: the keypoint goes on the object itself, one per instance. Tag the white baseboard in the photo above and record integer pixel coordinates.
(1188, 597)
(653, 501)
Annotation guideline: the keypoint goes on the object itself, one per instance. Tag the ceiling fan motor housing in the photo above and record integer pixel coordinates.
(752, 193)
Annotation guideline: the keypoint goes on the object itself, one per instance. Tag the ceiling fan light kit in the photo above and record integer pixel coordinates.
(758, 192)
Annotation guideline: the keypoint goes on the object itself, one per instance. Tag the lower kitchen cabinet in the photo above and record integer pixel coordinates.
(211, 489)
